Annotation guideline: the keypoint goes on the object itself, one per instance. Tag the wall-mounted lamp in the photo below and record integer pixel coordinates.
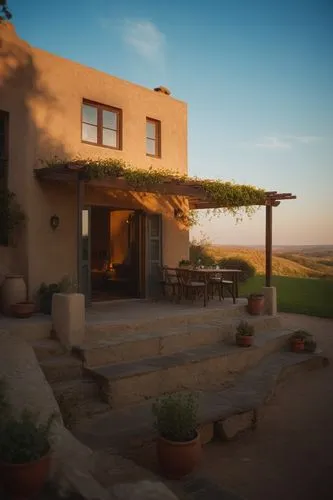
(54, 222)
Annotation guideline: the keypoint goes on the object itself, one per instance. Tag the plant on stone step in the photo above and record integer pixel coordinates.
(300, 336)
(244, 329)
(23, 439)
(176, 417)
(303, 336)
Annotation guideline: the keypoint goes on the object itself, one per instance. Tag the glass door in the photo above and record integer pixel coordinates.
(154, 254)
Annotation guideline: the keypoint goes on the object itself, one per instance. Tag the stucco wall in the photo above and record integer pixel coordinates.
(43, 94)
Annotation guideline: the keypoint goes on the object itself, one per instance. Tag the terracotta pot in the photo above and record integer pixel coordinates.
(23, 481)
(297, 345)
(23, 309)
(177, 459)
(255, 304)
(244, 340)
(13, 291)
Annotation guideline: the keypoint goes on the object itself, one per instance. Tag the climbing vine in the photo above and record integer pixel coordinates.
(11, 215)
(236, 199)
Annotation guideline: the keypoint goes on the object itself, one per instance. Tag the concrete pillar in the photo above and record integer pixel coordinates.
(68, 318)
(270, 306)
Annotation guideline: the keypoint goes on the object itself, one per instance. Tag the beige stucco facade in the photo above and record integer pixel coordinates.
(43, 94)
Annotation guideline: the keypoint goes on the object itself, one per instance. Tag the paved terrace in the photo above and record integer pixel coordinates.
(104, 319)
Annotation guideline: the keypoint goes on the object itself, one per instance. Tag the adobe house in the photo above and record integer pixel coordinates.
(99, 167)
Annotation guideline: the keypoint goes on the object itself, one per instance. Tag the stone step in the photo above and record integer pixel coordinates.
(229, 411)
(78, 399)
(76, 390)
(37, 327)
(205, 366)
(98, 325)
(130, 347)
(47, 348)
(61, 368)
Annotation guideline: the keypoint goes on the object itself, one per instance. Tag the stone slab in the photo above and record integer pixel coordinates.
(250, 392)
(234, 425)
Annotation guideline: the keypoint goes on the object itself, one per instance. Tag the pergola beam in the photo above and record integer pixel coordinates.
(172, 186)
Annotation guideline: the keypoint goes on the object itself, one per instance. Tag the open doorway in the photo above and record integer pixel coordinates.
(116, 254)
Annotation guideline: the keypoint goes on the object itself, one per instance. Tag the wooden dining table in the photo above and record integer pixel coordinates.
(208, 272)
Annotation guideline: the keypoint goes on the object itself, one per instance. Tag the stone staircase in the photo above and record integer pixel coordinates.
(77, 395)
(123, 368)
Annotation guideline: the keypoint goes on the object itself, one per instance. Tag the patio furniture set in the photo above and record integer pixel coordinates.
(193, 282)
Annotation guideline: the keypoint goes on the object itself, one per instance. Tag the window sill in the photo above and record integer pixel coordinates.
(154, 156)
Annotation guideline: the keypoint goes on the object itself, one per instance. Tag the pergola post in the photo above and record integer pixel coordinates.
(79, 208)
(269, 243)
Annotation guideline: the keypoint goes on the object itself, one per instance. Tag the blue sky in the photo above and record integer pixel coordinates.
(257, 77)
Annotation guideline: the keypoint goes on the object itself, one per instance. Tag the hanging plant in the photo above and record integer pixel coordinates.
(229, 197)
(11, 215)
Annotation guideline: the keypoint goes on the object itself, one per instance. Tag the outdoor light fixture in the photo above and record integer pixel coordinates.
(54, 222)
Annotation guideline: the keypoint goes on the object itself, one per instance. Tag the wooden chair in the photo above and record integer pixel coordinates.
(218, 283)
(191, 285)
(169, 281)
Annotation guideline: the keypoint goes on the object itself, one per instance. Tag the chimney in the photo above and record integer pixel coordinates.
(162, 90)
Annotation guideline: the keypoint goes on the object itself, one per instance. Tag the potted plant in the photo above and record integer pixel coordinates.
(297, 341)
(178, 443)
(23, 309)
(301, 341)
(255, 304)
(245, 334)
(24, 454)
(46, 293)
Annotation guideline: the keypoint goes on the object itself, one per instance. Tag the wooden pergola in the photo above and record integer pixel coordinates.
(189, 188)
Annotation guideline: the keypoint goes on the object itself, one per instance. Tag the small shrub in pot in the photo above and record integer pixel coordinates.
(302, 340)
(245, 334)
(24, 452)
(178, 443)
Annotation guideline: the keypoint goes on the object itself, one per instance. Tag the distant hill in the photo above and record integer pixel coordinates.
(314, 263)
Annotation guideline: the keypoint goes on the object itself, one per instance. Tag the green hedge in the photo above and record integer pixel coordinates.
(248, 270)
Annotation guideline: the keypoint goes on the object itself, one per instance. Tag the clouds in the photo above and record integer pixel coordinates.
(276, 142)
(141, 38)
(145, 39)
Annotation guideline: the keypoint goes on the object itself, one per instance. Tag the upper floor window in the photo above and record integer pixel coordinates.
(4, 143)
(101, 125)
(153, 137)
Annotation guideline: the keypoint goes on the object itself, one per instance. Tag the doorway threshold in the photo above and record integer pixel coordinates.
(117, 301)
